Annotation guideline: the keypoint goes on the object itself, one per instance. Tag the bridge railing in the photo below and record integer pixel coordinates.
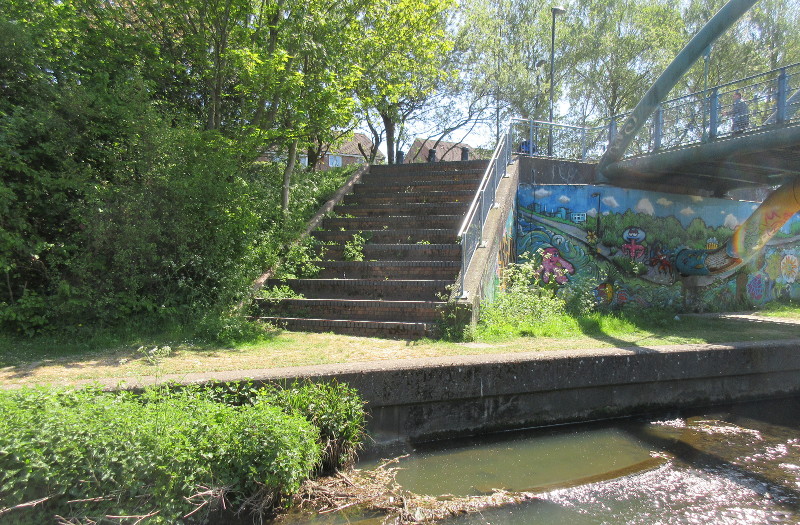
(772, 98)
(568, 142)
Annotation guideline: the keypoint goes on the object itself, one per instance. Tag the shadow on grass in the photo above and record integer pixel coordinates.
(690, 329)
(22, 356)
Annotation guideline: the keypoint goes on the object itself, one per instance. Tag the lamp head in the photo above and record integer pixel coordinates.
(558, 10)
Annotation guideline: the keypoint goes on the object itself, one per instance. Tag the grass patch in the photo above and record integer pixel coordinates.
(113, 357)
(782, 310)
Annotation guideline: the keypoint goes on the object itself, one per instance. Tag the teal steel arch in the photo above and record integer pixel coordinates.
(719, 23)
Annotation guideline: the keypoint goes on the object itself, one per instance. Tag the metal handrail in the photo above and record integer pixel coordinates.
(481, 204)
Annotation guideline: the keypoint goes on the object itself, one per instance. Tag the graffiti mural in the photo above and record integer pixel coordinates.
(625, 245)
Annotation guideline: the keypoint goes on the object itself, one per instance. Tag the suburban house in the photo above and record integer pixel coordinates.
(345, 154)
(421, 151)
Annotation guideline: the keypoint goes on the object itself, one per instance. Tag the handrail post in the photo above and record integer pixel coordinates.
(530, 136)
(713, 120)
(783, 88)
(659, 128)
(583, 143)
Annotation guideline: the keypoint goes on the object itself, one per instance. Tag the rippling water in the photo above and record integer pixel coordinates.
(735, 465)
(738, 465)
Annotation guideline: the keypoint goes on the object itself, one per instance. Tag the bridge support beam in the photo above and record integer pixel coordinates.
(718, 24)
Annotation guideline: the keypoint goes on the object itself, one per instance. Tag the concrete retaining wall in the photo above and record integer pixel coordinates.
(419, 400)
(428, 399)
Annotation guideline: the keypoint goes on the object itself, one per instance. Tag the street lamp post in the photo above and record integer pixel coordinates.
(597, 222)
(555, 11)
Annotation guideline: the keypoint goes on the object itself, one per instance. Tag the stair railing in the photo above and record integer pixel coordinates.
(470, 236)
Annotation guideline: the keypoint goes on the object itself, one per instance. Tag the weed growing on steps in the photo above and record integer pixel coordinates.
(354, 249)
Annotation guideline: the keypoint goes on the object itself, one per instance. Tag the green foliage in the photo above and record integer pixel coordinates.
(279, 292)
(334, 408)
(300, 261)
(171, 454)
(354, 248)
(526, 306)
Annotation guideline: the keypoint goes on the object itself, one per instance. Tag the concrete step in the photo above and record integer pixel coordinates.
(352, 309)
(421, 167)
(418, 186)
(383, 329)
(389, 236)
(406, 209)
(401, 222)
(389, 269)
(379, 179)
(399, 198)
(397, 252)
(375, 289)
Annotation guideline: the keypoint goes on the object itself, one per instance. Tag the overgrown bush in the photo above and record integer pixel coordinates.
(334, 408)
(525, 306)
(175, 456)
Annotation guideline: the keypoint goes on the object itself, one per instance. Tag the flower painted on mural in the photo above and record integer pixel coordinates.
(789, 268)
(555, 267)
(591, 238)
(773, 266)
(755, 287)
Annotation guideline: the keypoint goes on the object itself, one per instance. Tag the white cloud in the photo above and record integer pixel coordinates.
(646, 207)
(541, 192)
(664, 201)
(687, 211)
(563, 199)
(731, 221)
(611, 202)
(696, 198)
(592, 212)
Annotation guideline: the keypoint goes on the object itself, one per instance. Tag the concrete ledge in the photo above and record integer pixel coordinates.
(426, 399)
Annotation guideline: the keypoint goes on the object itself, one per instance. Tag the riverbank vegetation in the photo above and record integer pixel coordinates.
(169, 454)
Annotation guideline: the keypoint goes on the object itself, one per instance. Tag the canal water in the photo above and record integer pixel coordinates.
(737, 464)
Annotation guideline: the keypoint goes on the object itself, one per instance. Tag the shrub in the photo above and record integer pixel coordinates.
(526, 306)
(173, 455)
(334, 408)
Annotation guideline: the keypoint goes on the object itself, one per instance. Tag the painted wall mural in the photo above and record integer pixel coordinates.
(507, 254)
(622, 244)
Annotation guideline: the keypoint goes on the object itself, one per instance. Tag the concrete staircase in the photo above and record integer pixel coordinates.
(409, 216)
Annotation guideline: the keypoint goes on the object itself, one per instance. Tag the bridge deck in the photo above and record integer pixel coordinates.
(760, 158)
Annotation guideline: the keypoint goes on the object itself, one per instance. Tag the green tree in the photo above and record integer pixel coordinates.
(403, 49)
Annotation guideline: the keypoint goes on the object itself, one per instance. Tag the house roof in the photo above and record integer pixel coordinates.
(351, 147)
(445, 151)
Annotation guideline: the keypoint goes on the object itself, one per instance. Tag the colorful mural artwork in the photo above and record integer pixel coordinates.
(631, 247)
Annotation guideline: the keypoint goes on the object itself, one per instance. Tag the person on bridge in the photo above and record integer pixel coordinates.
(739, 113)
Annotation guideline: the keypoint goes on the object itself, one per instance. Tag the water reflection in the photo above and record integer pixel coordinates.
(738, 465)
(729, 465)
(524, 461)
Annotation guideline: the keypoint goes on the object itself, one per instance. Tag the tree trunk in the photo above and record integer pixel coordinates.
(389, 126)
(287, 177)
